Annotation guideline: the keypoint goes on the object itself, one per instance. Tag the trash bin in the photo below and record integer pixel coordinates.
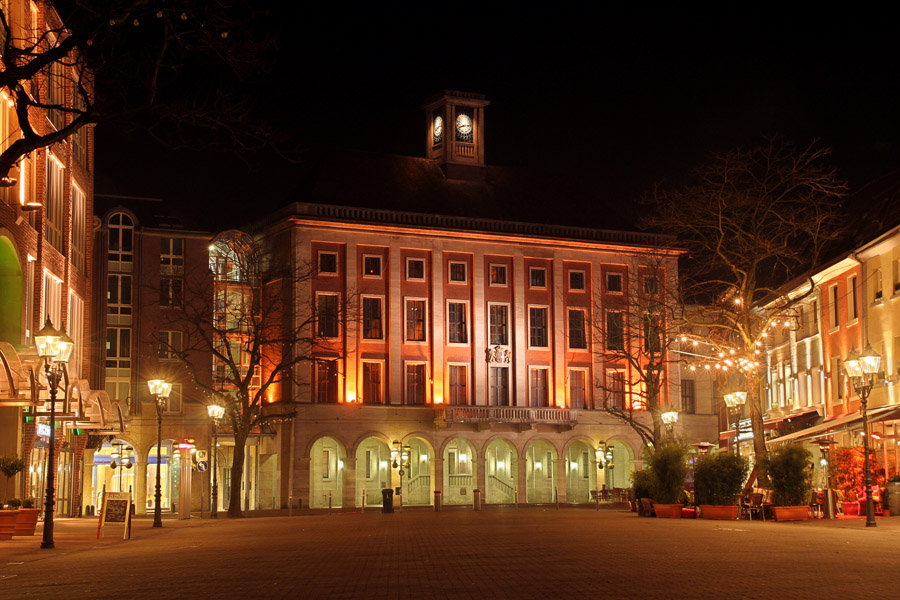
(437, 501)
(476, 499)
(387, 500)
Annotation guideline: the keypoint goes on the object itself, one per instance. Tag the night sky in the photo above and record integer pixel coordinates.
(614, 98)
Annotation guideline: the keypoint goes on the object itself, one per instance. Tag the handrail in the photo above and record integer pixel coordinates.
(509, 414)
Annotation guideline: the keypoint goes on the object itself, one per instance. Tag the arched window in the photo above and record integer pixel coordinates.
(121, 238)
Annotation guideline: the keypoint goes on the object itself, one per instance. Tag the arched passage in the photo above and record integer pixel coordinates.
(460, 471)
(326, 473)
(581, 472)
(417, 483)
(10, 293)
(501, 472)
(373, 471)
(540, 472)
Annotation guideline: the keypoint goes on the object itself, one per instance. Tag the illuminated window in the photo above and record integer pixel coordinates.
(415, 383)
(538, 392)
(415, 320)
(538, 277)
(577, 337)
(327, 315)
(577, 388)
(372, 266)
(118, 347)
(372, 388)
(175, 401)
(614, 283)
(328, 263)
(457, 323)
(835, 314)
(75, 329)
(78, 229)
(458, 272)
(499, 386)
(372, 318)
(326, 384)
(852, 307)
(459, 384)
(53, 223)
(415, 269)
(53, 296)
(615, 389)
(498, 324)
(538, 326)
(55, 94)
(170, 344)
(576, 280)
(877, 286)
(498, 275)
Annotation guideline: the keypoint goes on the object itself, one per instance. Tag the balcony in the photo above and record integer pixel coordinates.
(524, 417)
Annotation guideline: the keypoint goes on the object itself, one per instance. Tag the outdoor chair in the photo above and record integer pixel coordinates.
(647, 509)
(756, 506)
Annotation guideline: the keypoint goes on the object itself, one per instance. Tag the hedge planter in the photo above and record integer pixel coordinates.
(791, 513)
(27, 521)
(7, 523)
(719, 512)
(668, 511)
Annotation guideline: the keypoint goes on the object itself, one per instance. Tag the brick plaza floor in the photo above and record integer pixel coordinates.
(493, 554)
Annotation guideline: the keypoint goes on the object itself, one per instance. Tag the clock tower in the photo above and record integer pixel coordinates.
(454, 133)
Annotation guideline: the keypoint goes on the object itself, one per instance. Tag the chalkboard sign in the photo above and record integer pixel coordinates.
(116, 511)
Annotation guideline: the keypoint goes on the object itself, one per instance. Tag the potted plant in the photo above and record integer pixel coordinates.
(718, 479)
(791, 473)
(26, 522)
(10, 466)
(642, 483)
(847, 469)
(669, 469)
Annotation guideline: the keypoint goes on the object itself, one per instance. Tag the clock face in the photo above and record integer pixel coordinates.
(437, 134)
(464, 124)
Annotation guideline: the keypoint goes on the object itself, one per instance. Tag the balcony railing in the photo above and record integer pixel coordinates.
(510, 414)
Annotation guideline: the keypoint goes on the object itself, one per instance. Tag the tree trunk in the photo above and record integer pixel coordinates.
(237, 474)
(757, 426)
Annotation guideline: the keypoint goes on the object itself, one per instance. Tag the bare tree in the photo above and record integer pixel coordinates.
(141, 54)
(245, 317)
(752, 220)
(636, 326)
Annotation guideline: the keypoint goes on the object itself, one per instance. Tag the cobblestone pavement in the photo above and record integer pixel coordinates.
(494, 554)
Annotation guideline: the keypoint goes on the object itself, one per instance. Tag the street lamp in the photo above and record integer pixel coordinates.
(55, 348)
(861, 368)
(161, 389)
(669, 419)
(824, 447)
(604, 453)
(400, 456)
(216, 412)
(735, 403)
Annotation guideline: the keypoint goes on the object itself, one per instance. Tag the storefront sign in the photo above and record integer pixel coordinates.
(43, 430)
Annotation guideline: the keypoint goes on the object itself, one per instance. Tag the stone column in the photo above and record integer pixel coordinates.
(348, 497)
(561, 478)
(140, 486)
(301, 480)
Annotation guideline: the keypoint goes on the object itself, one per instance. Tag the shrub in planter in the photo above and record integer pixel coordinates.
(718, 478)
(28, 503)
(791, 473)
(10, 466)
(643, 483)
(14, 504)
(669, 468)
(847, 469)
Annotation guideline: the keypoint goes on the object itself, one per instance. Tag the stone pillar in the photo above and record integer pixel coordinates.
(437, 477)
(561, 478)
(140, 486)
(301, 480)
(481, 480)
(348, 499)
(522, 478)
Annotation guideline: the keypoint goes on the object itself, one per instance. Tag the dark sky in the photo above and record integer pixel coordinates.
(616, 97)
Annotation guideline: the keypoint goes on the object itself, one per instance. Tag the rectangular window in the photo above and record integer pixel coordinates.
(852, 308)
(538, 391)
(833, 298)
(499, 386)
(459, 384)
(615, 331)
(577, 337)
(538, 277)
(457, 323)
(29, 300)
(415, 320)
(896, 268)
(56, 94)
(52, 308)
(877, 283)
(326, 381)
(371, 266)
(327, 316)
(171, 292)
(175, 401)
(688, 397)
(577, 388)
(415, 383)
(576, 281)
(118, 347)
(118, 295)
(170, 344)
(652, 334)
(171, 252)
(615, 389)
(614, 283)
(585, 465)
(53, 228)
(326, 464)
(498, 324)
(651, 285)
(328, 263)
(372, 389)
(497, 275)
(415, 269)
(458, 272)
(837, 379)
(788, 384)
(78, 223)
(537, 326)
(372, 318)
(75, 330)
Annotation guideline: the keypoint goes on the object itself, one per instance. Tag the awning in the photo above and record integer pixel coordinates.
(878, 414)
(770, 424)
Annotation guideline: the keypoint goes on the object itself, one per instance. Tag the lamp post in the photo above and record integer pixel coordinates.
(161, 389)
(604, 453)
(735, 403)
(669, 419)
(861, 368)
(216, 412)
(54, 348)
(824, 447)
